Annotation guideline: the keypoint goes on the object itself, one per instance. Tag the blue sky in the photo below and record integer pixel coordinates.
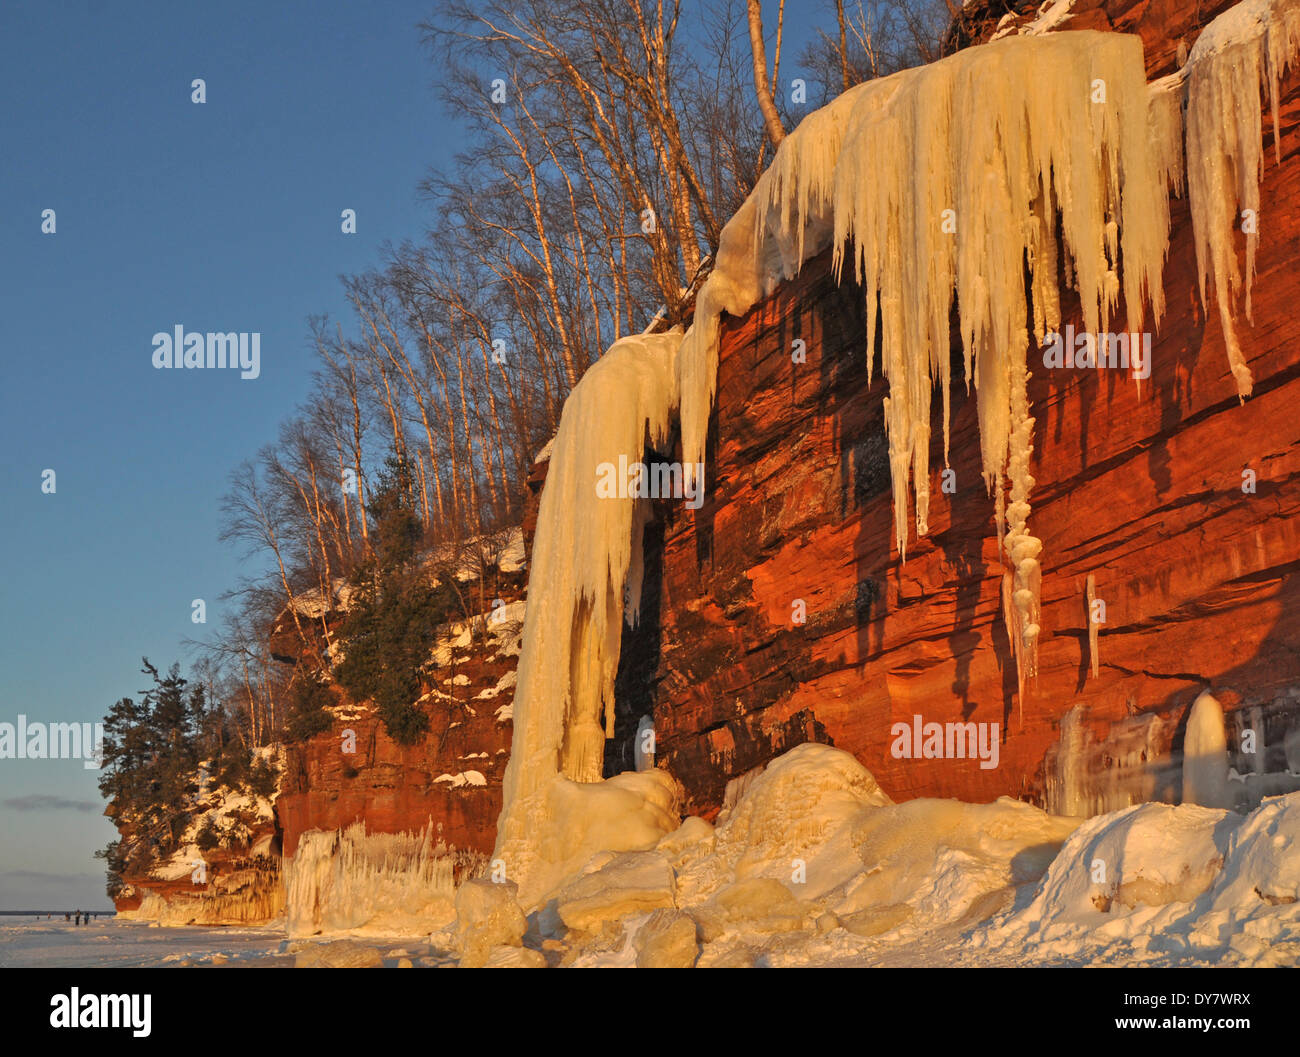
(222, 216)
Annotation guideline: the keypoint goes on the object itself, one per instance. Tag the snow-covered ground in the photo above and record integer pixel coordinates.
(117, 943)
(810, 863)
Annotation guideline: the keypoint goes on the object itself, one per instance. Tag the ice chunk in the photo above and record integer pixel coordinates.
(666, 941)
(487, 916)
(631, 883)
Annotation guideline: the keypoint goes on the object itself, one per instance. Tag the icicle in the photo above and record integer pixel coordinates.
(1012, 624)
(1248, 45)
(641, 516)
(786, 219)
(1165, 127)
(1094, 629)
(977, 174)
(348, 879)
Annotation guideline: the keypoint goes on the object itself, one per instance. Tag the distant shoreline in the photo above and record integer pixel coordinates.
(42, 913)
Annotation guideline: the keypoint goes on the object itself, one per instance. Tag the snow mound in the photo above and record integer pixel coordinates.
(812, 864)
(1169, 885)
(816, 822)
(629, 812)
(1148, 855)
(946, 861)
(815, 825)
(794, 809)
(1262, 860)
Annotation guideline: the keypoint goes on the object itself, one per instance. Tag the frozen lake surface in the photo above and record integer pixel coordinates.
(108, 942)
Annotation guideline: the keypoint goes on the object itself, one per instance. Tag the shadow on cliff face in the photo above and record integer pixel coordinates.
(638, 659)
(1175, 351)
(859, 442)
(1256, 693)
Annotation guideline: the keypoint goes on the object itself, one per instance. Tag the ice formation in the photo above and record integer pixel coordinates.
(980, 174)
(1205, 755)
(971, 184)
(1094, 628)
(1161, 884)
(810, 851)
(230, 898)
(811, 863)
(1148, 855)
(578, 597)
(352, 880)
(1250, 44)
(816, 821)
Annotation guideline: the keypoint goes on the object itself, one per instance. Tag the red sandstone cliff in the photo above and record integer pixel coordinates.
(1142, 491)
(451, 779)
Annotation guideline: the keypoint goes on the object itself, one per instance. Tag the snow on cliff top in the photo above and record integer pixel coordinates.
(504, 550)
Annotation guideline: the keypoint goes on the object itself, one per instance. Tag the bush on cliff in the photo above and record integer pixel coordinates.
(307, 715)
(389, 631)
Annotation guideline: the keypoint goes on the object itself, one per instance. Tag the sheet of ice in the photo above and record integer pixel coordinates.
(112, 942)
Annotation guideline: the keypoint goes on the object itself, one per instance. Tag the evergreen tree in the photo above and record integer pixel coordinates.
(390, 629)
